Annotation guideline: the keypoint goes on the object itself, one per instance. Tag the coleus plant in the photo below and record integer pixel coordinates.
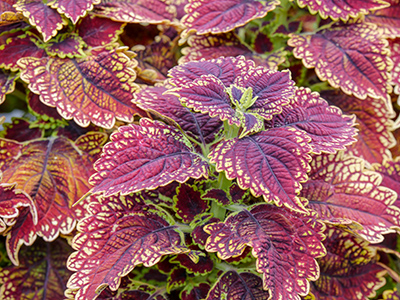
(199, 150)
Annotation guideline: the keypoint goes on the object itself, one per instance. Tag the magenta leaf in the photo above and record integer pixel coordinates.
(120, 234)
(328, 129)
(206, 17)
(244, 285)
(285, 245)
(73, 9)
(276, 160)
(145, 157)
(188, 202)
(66, 45)
(387, 19)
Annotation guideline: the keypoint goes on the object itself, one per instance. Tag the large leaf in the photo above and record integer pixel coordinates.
(136, 11)
(120, 234)
(145, 157)
(41, 275)
(54, 173)
(46, 19)
(206, 17)
(271, 163)
(200, 126)
(7, 83)
(349, 270)
(353, 57)
(73, 9)
(233, 285)
(97, 88)
(387, 18)
(284, 243)
(342, 192)
(341, 8)
(328, 129)
(373, 121)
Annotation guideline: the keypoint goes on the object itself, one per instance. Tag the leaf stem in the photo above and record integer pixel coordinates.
(223, 183)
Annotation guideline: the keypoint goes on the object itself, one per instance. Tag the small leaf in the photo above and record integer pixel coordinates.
(7, 83)
(196, 293)
(66, 45)
(238, 285)
(271, 163)
(19, 130)
(328, 129)
(342, 9)
(284, 243)
(41, 275)
(349, 270)
(136, 11)
(188, 202)
(97, 88)
(46, 20)
(342, 192)
(97, 31)
(199, 126)
(73, 9)
(145, 157)
(206, 17)
(353, 57)
(373, 121)
(120, 234)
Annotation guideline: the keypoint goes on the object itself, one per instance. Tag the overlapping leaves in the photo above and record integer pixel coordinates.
(120, 234)
(353, 57)
(97, 88)
(145, 157)
(342, 192)
(284, 243)
(7, 83)
(73, 9)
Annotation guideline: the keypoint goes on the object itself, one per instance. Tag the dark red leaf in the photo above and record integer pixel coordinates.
(353, 57)
(145, 157)
(66, 45)
(203, 266)
(73, 9)
(188, 202)
(97, 31)
(46, 20)
(7, 83)
(198, 234)
(41, 110)
(41, 274)
(18, 130)
(206, 17)
(271, 163)
(196, 293)
(285, 245)
(120, 234)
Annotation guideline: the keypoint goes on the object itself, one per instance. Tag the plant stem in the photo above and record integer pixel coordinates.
(223, 183)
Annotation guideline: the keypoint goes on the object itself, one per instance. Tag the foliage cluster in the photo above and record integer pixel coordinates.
(200, 149)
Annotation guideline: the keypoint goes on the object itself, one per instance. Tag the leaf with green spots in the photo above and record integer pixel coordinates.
(285, 245)
(271, 163)
(97, 88)
(120, 233)
(145, 157)
(343, 192)
(353, 57)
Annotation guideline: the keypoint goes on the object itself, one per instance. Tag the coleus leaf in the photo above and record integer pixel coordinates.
(227, 44)
(353, 57)
(66, 45)
(285, 245)
(46, 20)
(276, 160)
(136, 11)
(373, 121)
(98, 88)
(19, 130)
(18, 46)
(54, 173)
(199, 126)
(196, 293)
(349, 270)
(391, 295)
(97, 31)
(43, 112)
(120, 234)
(394, 46)
(145, 157)
(342, 9)
(11, 199)
(390, 171)
(242, 285)
(41, 275)
(328, 129)
(206, 17)
(387, 19)
(73, 9)
(188, 202)
(342, 192)
(8, 14)
(203, 266)
(7, 83)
